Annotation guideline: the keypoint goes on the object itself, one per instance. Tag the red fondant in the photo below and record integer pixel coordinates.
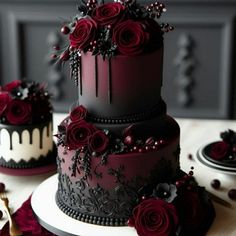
(130, 79)
(133, 162)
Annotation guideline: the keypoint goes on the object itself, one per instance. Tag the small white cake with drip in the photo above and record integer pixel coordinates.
(26, 138)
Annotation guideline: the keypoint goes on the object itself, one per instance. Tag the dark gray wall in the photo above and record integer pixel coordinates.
(199, 62)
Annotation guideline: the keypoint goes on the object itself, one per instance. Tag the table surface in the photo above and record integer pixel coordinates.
(194, 134)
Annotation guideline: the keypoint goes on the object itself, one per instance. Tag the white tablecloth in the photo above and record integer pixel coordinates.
(194, 134)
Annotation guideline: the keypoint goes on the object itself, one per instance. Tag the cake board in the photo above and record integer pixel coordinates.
(54, 220)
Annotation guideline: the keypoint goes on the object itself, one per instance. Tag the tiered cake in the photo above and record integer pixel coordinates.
(118, 150)
(25, 126)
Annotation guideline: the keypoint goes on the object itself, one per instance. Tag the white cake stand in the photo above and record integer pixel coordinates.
(54, 220)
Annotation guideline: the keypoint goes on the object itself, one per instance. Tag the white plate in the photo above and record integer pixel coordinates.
(54, 220)
(212, 163)
(218, 168)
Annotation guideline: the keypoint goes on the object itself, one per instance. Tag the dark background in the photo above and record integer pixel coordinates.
(199, 60)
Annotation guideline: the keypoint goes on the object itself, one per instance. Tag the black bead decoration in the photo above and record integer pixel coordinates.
(103, 221)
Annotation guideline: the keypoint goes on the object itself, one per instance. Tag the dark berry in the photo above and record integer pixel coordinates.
(129, 140)
(215, 183)
(53, 56)
(65, 30)
(2, 187)
(190, 156)
(190, 173)
(56, 47)
(150, 141)
(1, 214)
(232, 194)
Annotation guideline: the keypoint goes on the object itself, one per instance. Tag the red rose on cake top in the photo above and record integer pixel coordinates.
(12, 85)
(83, 34)
(111, 29)
(131, 38)
(23, 103)
(109, 14)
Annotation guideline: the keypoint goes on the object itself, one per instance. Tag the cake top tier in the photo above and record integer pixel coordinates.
(122, 27)
(23, 103)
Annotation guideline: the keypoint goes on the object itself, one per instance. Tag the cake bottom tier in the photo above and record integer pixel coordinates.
(110, 191)
(142, 187)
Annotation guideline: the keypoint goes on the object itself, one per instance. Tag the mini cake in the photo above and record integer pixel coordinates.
(25, 125)
(118, 150)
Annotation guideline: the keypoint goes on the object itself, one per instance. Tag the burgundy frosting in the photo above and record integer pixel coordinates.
(127, 80)
(133, 162)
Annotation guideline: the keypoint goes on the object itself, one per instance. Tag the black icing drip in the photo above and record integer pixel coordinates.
(109, 82)
(96, 76)
(20, 129)
(80, 77)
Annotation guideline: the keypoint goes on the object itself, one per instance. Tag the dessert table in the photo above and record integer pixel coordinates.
(194, 134)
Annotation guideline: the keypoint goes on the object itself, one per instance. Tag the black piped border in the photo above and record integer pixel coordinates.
(32, 163)
(97, 220)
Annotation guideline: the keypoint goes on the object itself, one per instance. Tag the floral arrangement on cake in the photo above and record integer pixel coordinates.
(23, 103)
(173, 209)
(121, 27)
(77, 133)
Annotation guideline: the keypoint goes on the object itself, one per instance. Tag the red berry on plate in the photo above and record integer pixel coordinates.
(2, 187)
(232, 194)
(215, 183)
(190, 156)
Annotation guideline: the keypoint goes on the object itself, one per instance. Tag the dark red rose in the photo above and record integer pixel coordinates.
(18, 112)
(14, 84)
(78, 113)
(154, 217)
(219, 150)
(131, 37)
(78, 134)
(192, 213)
(109, 13)
(83, 34)
(98, 142)
(4, 100)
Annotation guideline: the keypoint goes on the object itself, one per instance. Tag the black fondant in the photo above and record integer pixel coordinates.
(109, 81)
(155, 111)
(96, 75)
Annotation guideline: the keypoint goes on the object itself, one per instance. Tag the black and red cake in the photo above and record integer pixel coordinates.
(25, 125)
(118, 150)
